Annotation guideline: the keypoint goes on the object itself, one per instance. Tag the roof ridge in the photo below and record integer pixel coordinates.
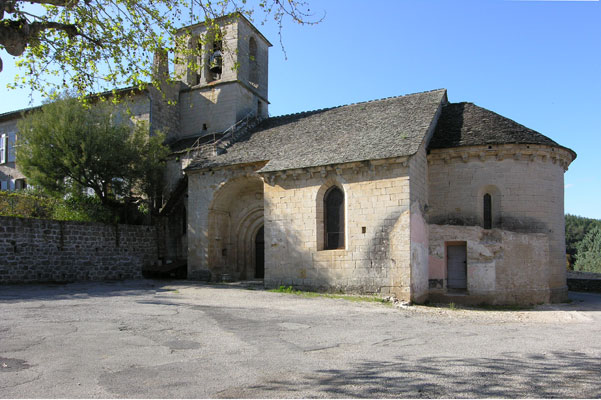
(357, 103)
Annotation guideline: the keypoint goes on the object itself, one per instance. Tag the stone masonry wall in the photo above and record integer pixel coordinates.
(215, 199)
(503, 267)
(218, 107)
(34, 250)
(376, 255)
(418, 173)
(526, 182)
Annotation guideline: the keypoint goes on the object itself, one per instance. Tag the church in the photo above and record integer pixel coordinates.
(409, 196)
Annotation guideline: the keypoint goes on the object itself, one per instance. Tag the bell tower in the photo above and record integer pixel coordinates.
(227, 81)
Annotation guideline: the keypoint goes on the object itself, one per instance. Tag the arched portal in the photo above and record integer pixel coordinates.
(235, 216)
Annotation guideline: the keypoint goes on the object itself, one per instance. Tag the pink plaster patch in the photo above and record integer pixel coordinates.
(418, 229)
(436, 267)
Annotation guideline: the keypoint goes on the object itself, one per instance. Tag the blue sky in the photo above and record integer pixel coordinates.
(537, 62)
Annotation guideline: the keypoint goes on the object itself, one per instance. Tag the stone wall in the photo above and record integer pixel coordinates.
(376, 254)
(217, 107)
(225, 210)
(526, 183)
(33, 250)
(418, 173)
(245, 32)
(503, 267)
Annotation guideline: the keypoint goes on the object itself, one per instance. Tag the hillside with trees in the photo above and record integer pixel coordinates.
(583, 243)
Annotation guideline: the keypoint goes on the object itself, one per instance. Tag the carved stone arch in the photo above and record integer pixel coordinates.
(234, 214)
(246, 233)
(495, 205)
(320, 211)
(224, 189)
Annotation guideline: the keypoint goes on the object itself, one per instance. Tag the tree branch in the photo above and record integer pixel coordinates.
(16, 35)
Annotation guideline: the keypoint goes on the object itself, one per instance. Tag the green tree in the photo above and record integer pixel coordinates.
(68, 146)
(97, 45)
(576, 228)
(588, 257)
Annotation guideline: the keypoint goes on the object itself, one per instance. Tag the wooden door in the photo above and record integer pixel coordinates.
(457, 266)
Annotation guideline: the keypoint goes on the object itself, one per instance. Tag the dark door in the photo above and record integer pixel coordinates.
(457, 267)
(260, 255)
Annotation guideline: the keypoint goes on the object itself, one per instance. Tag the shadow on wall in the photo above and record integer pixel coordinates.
(370, 263)
(558, 374)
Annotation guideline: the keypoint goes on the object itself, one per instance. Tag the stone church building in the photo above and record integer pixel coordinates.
(412, 196)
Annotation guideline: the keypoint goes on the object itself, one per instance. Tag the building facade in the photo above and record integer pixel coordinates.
(411, 196)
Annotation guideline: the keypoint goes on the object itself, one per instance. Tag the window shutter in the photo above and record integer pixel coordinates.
(2, 149)
(11, 185)
(10, 147)
(3, 185)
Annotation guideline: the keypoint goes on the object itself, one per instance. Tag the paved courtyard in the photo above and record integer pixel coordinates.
(181, 339)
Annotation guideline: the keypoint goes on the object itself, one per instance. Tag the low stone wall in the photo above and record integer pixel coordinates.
(34, 250)
(584, 281)
(584, 285)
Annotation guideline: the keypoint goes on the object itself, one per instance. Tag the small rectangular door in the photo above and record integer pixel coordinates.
(457, 266)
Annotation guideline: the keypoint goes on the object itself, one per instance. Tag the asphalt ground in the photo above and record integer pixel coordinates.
(180, 339)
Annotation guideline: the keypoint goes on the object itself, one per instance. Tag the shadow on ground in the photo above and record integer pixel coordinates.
(83, 290)
(558, 374)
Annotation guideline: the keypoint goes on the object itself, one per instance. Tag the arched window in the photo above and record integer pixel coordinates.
(252, 60)
(487, 208)
(198, 61)
(333, 207)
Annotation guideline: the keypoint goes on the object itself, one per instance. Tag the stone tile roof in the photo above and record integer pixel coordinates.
(386, 128)
(466, 124)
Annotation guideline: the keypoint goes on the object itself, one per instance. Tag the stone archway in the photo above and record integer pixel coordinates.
(235, 216)
(246, 243)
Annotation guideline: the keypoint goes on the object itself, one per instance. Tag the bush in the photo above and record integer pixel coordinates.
(26, 204)
(34, 204)
(588, 257)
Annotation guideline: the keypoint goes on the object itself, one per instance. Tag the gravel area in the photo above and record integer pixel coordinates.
(179, 339)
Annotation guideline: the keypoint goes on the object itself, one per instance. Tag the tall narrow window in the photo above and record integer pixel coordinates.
(334, 218)
(487, 211)
(199, 61)
(252, 61)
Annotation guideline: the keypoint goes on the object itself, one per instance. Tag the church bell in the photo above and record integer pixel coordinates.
(216, 62)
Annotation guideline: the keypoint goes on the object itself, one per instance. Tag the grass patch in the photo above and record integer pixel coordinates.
(348, 297)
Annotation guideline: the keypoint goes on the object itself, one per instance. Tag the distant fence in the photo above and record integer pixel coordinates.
(37, 250)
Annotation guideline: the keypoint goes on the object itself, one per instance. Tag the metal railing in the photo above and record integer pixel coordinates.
(229, 136)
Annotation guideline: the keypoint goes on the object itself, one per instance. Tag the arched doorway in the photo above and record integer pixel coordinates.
(260, 254)
(235, 217)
